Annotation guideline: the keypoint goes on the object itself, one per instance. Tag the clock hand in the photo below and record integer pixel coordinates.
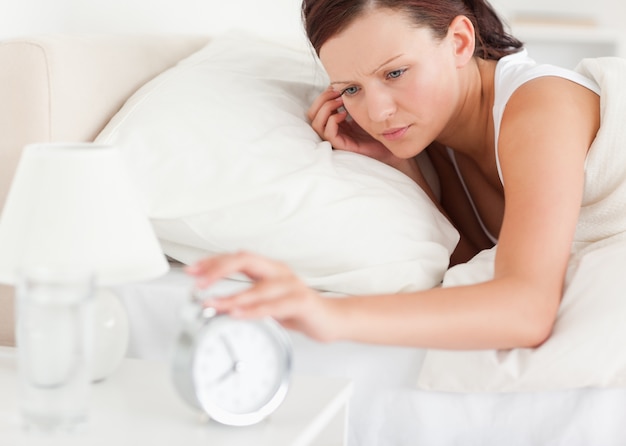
(229, 349)
(235, 368)
(226, 374)
(237, 365)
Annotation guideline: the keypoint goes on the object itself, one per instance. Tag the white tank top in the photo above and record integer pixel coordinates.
(512, 71)
(515, 70)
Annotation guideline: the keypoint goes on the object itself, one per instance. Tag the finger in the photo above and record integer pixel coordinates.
(212, 269)
(297, 314)
(326, 110)
(332, 129)
(282, 309)
(327, 95)
(334, 133)
(259, 292)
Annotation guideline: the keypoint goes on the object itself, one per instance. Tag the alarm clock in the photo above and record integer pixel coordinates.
(235, 371)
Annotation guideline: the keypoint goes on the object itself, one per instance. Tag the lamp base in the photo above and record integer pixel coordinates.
(110, 333)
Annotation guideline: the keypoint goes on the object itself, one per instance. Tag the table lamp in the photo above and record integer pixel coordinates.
(74, 206)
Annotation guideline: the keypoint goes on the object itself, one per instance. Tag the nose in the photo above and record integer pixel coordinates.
(380, 105)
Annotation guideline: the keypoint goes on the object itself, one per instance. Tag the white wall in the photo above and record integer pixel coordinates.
(19, 17)
(277, 17)
(608, 13)
(272, 17)
(563, 44)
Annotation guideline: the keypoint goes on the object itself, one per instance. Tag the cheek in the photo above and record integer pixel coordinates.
(424, 95)
(413, 97)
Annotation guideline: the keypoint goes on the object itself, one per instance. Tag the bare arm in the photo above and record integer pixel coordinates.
(547, 129)
(549, 126)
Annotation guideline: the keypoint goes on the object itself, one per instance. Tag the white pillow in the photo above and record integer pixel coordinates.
(222, 150)
(586, 348)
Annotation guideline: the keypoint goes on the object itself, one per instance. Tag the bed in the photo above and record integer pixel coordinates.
(122, 89)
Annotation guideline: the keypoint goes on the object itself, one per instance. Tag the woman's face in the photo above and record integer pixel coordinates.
(397, 81)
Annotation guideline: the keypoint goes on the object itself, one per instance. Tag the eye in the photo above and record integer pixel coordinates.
(350, 91)
(395, 73)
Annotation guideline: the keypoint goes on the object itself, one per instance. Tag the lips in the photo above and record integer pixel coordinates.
(395, 133)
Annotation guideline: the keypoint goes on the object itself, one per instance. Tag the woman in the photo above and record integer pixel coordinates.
(509, 141)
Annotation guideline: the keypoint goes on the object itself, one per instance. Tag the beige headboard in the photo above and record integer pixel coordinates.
(66, 88)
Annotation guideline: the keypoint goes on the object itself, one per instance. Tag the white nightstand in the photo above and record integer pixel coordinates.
(138, 405)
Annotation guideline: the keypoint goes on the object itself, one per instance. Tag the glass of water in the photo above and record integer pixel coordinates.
(54, 343)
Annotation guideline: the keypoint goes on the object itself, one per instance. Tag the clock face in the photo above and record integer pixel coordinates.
(241, 369)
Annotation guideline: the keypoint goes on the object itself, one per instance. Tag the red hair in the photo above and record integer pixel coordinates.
(326, 18)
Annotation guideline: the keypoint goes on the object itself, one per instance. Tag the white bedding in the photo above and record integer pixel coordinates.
(387, 409)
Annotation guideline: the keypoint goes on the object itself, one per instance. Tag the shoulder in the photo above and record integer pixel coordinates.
(518, 77)
(554, 101)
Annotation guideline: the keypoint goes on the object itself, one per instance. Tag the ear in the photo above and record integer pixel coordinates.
(463, 38)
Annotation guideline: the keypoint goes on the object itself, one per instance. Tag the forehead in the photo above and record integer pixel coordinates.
(370, 40)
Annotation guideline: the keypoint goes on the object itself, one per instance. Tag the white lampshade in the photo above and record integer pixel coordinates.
(74, 206)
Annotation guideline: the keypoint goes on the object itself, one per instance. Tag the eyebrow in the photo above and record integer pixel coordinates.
(373, 71)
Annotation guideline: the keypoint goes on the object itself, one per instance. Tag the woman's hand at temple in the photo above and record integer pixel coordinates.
(275, 292)
(331, 122)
